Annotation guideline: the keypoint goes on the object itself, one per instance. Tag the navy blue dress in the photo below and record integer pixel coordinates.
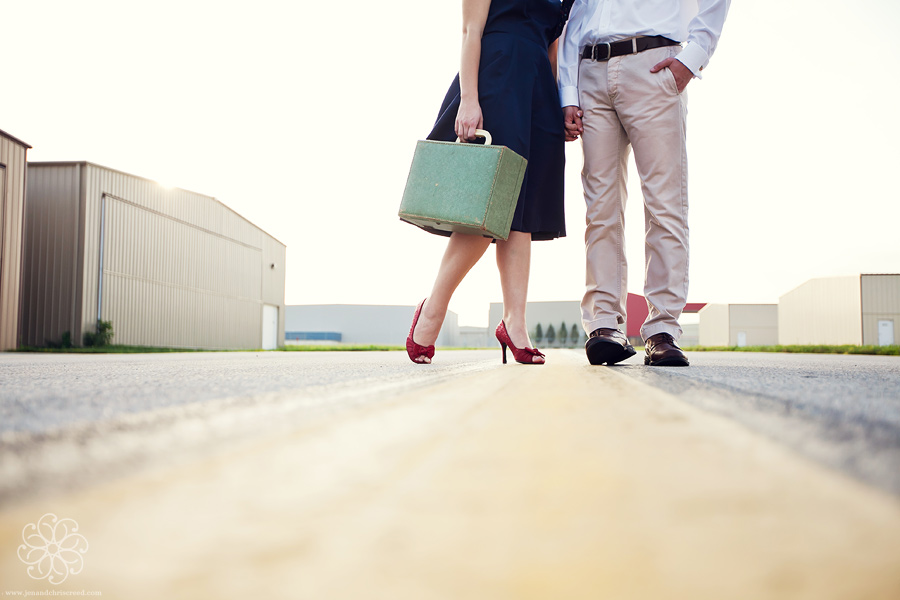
(520, 105)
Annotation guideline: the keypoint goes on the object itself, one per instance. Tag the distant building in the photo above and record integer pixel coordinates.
(568, 312)
(859, 309)
(739, 325)
(545, 314)
(166, 267)
(12, 211)
(389, 325)
(360, 324)
(475, 337)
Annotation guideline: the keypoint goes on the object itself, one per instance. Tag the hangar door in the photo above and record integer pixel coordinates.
(167, 282)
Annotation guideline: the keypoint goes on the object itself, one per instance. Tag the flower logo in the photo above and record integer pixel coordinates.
(53, 549)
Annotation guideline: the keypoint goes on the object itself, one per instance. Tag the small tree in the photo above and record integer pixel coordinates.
(538, 334)
(551, 335)
(574, 336)
(563, 334)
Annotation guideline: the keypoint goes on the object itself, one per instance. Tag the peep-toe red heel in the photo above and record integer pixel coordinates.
(522, 355)
(416, 351)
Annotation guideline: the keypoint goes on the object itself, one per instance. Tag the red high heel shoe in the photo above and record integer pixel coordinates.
(522, 355)
(416, 352)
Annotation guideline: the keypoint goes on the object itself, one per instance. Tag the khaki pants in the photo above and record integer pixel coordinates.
(626, 106)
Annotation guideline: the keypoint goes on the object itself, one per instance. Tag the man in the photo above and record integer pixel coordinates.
(623, 68)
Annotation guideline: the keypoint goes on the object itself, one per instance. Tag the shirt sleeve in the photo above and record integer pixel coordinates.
(567, 66)
(704, 31)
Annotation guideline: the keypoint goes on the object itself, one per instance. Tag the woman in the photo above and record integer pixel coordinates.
(507, 85)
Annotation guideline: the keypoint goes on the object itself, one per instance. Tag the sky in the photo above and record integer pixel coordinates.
(303, 116)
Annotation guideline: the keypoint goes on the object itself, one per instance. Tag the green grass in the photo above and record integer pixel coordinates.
(111, 349)
(114, 349)
(356, 348)
(820, 349)
(338, 347)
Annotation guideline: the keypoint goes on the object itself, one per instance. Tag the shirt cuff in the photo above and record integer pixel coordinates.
(568, 95)
(694, 58)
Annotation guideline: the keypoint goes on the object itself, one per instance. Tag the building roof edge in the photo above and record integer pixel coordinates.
(15, 139)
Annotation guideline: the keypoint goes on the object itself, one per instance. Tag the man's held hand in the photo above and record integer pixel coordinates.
(572, 119)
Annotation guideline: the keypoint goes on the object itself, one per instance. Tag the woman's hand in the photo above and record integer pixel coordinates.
(468, 119)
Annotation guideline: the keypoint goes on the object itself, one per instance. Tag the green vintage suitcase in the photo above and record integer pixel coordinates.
(468, 188)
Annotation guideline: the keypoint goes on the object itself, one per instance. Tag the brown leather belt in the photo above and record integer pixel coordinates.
(607, 50)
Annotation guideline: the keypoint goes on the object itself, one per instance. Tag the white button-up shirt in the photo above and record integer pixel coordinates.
(697, 22)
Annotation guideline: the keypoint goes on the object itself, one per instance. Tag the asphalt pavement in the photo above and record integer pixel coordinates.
(840, 410)
(361, 475)
(68, 421)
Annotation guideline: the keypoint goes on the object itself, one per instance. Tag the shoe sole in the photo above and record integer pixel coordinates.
(667, 362)
(603, 352)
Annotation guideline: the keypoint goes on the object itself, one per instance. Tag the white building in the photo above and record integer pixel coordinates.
(568, 313)
(360, 324)
(739, 325)
(545, 314)
(858, 309)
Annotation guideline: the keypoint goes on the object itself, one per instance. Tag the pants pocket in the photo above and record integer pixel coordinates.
(669, 82)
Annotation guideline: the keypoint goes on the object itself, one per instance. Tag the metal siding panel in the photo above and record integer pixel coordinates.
(8, 311)
(758, 321)
(274, 252)
(151, 248)
(12, 206)
(821, 311)
(880, 300)
(93, 193)
(48, 269)
(10, 237)
(714, 330)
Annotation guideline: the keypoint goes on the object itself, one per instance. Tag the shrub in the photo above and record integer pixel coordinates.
(101, 337)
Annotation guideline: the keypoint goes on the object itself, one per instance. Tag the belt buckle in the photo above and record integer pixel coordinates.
(608, 51)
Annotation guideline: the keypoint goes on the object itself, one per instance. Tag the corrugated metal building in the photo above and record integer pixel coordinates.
(12, 209)
(859, 309)
(167, 267)
(739, 325)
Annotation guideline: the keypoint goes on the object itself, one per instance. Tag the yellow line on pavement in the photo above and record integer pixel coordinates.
(561, 481)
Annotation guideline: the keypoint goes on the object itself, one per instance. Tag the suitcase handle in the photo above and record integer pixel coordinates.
(481, 133)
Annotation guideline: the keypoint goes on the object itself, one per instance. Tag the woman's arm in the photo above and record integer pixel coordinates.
(469, 118)
(551, 54)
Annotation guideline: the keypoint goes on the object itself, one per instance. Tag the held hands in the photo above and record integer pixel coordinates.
(572, 119)
(468, 119)
(682, 74)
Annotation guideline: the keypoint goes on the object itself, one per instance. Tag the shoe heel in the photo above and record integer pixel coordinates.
(503, 347)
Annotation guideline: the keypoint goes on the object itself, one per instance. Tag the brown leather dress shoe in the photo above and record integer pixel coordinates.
(608, 346)
(662, 351)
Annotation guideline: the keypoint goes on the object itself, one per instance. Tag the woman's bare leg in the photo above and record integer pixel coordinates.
(514, 262)
(462, 252)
